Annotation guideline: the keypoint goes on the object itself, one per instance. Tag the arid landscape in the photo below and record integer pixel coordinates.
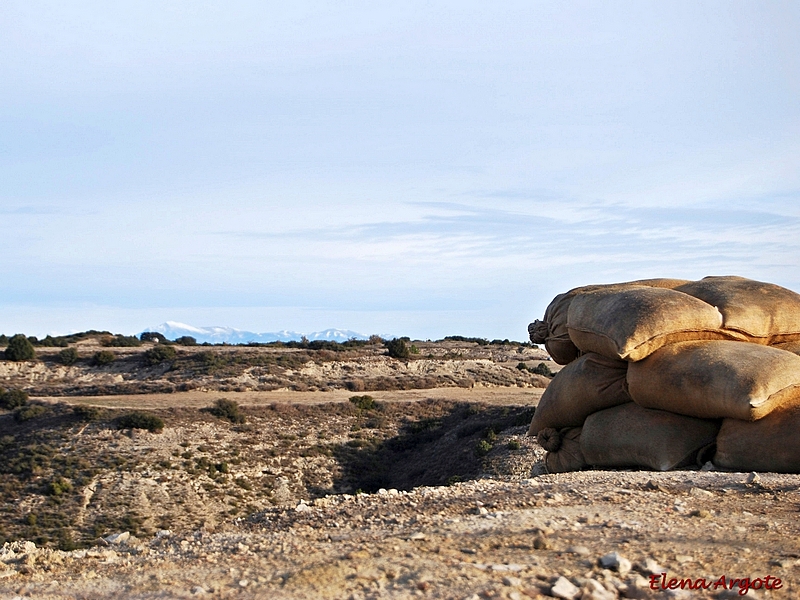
(341, 471)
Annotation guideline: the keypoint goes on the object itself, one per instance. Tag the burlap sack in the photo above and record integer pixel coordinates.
(793, 347)
(764, 312)
(563, 450)
(631, 323)
(631, 436)
(716, 379)
(769, 444)
(586, 385)
(553, 333)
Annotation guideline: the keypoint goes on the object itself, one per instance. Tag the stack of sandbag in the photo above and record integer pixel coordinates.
(666, 373)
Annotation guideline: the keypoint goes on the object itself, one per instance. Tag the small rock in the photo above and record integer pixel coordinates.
(753, 478)
(302, 507)
(540, 542)
(650, 567)
(512, 581)
(423, 586)
(563, 588)
(117, 538)
(594, 590)
(469, 550)
(709, 466)
(199, 590)
(617, 562)
(684, 558)
(100, 542)
(243, 583)
(783, 563)
(415, 537)
(701, 514)
(700, 493)
(579, 550)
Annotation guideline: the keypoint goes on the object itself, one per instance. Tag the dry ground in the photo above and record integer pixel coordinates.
(431, 493)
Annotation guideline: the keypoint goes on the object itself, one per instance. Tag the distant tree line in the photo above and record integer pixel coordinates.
(21, 347)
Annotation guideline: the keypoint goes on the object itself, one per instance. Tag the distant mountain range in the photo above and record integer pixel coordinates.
(217, 335)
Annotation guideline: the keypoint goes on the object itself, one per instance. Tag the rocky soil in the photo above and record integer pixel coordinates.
(599, 535)
(424, 493)
(268, 368)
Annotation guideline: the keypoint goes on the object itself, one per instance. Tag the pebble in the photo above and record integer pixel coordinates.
(117, 538)
(700, 493)
(563, 588)
(540, 542)
(594, 590)
(415, 537)
(579, 550)
(512, 581)
(617, 562)
(650, 567)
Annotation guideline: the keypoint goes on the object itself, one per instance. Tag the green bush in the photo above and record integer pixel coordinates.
(397, 348)
(19, 348)
(159, 354)
(103, 358)
(542, 369)
(59, 486)
(186, 340)
(11, 399)
(122, 341)
(227, 409)
(153, 336)
(140, 420)
(87, 413)
(27, 412)
(483, 447)
(68, 356)
(363, 402)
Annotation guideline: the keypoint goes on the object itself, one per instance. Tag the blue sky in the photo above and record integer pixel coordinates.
(416, 168)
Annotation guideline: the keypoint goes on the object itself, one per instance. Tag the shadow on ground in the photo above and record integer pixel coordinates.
(441, 448)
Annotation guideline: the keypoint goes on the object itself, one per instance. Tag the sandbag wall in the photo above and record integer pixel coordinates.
(666, 373)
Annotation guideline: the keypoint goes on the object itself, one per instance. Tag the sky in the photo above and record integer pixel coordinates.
(411, 168)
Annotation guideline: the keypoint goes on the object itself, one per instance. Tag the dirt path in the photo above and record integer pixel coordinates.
(503, 396)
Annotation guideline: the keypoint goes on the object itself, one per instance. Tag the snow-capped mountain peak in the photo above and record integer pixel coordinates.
(218, 335)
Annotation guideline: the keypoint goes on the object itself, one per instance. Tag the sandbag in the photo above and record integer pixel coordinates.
(769, 444)
(552, 331)
(631, 436)
(563, 449)
(586, 385)
(716, 379)
(793, 347)
(764, 312)
(631, 323)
